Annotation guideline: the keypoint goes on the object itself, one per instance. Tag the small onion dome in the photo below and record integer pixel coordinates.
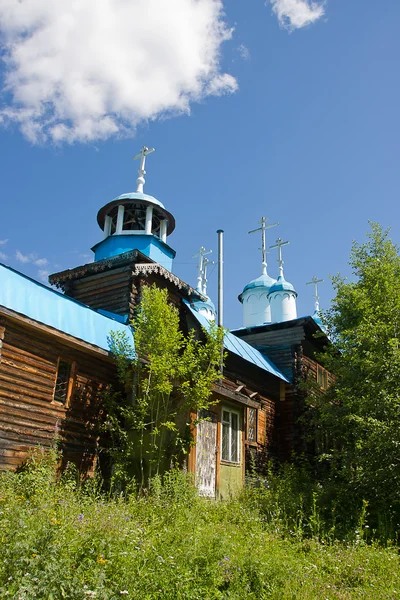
(264, 281)
(281, 285)
(205, 308)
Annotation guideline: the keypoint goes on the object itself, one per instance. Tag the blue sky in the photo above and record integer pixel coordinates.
(294, 119)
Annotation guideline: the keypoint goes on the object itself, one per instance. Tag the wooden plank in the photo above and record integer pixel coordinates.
(28, 380)
(15, 390)
(18, 362)
(67, 339)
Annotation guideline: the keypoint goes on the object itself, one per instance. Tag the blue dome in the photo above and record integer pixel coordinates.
(281, 285)
(207, 305)
(139, 196)
(264, 281)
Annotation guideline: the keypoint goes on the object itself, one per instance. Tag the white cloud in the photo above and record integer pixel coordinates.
(89, 69)
(41, 262)
(31, 258)
(244, 52)
(43, 275)
(3, 242)
(22, 257)
(3, 256)
(294, 14)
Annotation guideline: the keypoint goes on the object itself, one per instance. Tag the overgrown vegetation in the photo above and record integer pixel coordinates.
(64, 540)
(357, 420)
(164, 379)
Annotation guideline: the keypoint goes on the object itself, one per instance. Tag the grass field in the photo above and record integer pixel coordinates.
(63, 541)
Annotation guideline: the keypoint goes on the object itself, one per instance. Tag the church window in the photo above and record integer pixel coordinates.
(230, 448)
(322, 377)
(63, 387)
(251, 425)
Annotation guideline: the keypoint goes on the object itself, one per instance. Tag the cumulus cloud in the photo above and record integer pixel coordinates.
(90, 69)
(31, 258)
(294, 14)
(3, 242)
(3, 256)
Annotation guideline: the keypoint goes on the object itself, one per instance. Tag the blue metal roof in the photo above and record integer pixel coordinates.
(32, 299)
(282, 285)
(241, 348)
(264, 281)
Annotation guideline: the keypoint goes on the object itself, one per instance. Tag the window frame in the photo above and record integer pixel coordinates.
(70, 384)
(248, 425)
(229, 460)
(322, 377)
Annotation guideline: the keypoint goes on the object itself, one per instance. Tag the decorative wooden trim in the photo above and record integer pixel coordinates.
(154, 268)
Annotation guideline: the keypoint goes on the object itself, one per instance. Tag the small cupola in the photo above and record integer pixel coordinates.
(254, 298)
(282, 295)
(136, 221)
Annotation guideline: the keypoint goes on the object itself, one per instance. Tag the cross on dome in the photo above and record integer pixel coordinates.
(263, 248)
(202, 269)
(278, 244)
(206, 262)
(315, 281)
(145, 151)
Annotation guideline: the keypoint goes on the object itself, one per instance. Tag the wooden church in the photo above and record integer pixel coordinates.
(55, 359)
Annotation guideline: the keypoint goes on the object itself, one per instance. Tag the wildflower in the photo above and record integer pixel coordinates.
(81, 517)
(34, 555)
(101, 560)
(124, 592)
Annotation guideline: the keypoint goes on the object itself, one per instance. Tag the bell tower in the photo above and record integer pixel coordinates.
(134, 252)
(136, 221)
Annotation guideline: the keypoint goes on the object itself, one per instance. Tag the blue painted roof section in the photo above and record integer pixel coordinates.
(139, 196)
(204, 304)
(241, 348)
(263, 281)
(40, 303)
(282, 285)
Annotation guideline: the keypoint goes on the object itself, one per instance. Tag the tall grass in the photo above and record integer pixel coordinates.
(64, 540)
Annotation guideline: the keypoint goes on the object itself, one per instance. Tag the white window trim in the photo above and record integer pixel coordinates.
(236, 412)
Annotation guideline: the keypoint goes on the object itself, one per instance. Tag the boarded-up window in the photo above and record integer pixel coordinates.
(230, 450)
(63, 381)
(252, 425)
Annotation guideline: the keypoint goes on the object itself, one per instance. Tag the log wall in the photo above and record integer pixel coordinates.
(109, 290)
(29, 415)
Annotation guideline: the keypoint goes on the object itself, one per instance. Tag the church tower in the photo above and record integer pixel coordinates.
(136, 221)
(134, 252)
(282, 295)
(254, 298)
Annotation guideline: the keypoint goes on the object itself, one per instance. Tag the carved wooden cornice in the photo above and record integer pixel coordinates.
(58, 279)
(156, 269)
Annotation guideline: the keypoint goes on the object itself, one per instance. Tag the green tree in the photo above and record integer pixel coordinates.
(165, 377)
(359, 415)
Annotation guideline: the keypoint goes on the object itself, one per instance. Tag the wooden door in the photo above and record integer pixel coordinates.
(206, 454)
